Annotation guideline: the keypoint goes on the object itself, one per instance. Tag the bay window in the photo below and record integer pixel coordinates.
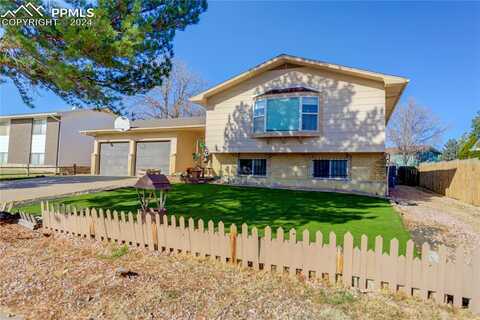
(286, 114)
(259, 116)
(309, 113)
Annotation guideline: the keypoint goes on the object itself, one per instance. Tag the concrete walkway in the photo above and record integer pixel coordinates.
(52, 187)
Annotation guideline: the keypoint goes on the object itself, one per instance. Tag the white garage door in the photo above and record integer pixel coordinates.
(153, 155)
(114, 159)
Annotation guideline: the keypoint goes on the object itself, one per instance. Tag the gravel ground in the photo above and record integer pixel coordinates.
(437, 219)
(60, 277)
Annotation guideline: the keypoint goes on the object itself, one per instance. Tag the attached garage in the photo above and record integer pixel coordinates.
(153, 155)
(114, 158)
(159, 144)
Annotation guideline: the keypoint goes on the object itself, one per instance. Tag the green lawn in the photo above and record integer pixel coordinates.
(262, 207)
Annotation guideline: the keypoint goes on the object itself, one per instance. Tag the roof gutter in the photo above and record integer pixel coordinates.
(94, 133)
(31, 115)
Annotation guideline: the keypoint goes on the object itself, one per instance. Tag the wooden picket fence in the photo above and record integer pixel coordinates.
(456, 282)
(458, 179)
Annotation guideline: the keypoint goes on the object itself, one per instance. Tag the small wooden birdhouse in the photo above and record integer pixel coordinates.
(153, 187)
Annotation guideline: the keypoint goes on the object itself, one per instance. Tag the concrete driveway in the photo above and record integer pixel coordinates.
(52, 187)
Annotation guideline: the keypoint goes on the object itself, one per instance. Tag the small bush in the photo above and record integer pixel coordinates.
(337, 297)
(340, 297)
(116, 253)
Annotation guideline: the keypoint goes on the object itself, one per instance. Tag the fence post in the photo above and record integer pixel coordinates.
(233, 244)
(363, 262)
(74, 169)
(475, 302)
(347, 259)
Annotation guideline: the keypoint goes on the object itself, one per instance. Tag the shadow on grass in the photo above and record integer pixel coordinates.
(261, 207)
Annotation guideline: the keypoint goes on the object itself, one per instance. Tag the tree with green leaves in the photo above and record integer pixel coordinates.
(125, 50)
(466, 149)
(450, 150)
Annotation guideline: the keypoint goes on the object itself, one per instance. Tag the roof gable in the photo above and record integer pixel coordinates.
(394, 85)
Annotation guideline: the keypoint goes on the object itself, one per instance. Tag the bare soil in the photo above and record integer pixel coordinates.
(61, 277)
(437, 219)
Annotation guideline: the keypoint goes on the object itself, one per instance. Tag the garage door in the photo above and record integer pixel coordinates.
(114, 159)
(153, 155)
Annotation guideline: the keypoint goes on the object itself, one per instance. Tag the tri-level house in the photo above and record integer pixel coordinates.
(288, 122)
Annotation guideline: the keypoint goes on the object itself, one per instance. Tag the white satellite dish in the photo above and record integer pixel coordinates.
(122, 123)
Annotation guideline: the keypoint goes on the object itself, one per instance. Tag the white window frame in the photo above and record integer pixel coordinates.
(253, 173)
(264, 115)
(300, 109)
(7, 124)
(44, 125)
(300, 127)
(44, 122)
(40, 163)
(6, 158)
(330, 170)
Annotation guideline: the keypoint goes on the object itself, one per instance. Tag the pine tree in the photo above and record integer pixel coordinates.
(472, 138)
(126, 50)
(450, 150)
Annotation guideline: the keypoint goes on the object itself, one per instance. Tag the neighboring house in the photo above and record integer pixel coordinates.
(420, 154)
(288, 122)
(49, 139)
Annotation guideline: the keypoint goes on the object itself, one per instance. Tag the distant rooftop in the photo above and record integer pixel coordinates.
(421, 148)
(178, 122)
(154, 125)
(47, 114)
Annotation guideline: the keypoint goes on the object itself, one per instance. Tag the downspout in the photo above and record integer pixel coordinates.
(58, 142)
(29, 151)
(388, 173)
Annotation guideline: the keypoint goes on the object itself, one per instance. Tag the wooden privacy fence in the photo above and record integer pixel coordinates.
(458, 179)
(431, 276)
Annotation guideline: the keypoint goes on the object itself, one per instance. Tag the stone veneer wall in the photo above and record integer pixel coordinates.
(367, 172)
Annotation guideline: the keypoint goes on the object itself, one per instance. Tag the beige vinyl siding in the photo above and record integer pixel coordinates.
(351, 115)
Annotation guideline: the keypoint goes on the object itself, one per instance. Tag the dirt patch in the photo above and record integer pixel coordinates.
(60, 277)
(437, 219)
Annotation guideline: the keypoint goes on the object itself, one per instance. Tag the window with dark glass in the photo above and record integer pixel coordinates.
(254, 167)
(310, 113)
(330, 169)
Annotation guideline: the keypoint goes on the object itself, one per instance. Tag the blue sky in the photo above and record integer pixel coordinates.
(435, 45)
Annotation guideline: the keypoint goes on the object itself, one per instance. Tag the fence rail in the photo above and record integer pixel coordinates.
(458, 179)
(432, 276)
(43, 169)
